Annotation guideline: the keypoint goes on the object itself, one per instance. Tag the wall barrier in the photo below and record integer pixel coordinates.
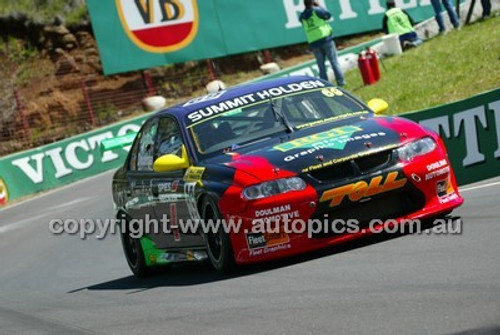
(62, 162)
(470, 129)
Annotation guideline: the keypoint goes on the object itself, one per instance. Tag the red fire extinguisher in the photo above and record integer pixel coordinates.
(373, 60)
(365, 69)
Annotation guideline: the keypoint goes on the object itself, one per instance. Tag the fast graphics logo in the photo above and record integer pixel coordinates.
(159, 25)
(4, 194)
(263, 240)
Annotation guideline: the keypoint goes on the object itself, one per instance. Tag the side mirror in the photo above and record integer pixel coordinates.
(379, 106)
(170, 162)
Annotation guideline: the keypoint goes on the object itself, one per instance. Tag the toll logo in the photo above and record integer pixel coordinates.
(363, 189)
(4, 194)
(159, 26)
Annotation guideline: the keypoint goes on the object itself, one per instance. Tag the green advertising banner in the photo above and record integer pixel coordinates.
(139, 34)
(471, 132)
(62, 162)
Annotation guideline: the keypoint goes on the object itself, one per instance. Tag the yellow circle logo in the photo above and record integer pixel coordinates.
(159, 26)
(4, 194)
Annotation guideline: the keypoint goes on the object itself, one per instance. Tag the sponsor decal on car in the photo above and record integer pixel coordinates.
(273, 210)
(445, 191)
(332, 92)
(442, 188)
(437, 169)
(190, 194)
(159, 26)
(437, 173)
(448, 198)
(335, 138)
(4, 194)
(172, 257)
(437, 165)
(362, 189)
(332, 143)
(168, 187)
(251, 98)
(275, 214)
(345, 159)
(173, 222)
(170, 197)
(330, 119)
(261, 243)
(205, 98)
(194, 174)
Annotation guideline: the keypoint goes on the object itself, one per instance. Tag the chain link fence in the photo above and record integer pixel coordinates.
(56, 108)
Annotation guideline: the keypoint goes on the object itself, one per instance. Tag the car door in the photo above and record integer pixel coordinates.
(140, 202)
(171, 198)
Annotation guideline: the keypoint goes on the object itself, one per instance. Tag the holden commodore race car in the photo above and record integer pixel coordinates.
(279, 153)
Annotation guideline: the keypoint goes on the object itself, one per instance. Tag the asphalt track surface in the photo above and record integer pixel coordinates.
(412, 284)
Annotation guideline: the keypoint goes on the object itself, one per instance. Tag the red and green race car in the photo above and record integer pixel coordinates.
(273, 169)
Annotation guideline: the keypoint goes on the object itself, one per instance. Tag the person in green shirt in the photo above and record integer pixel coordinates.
(319, 34)
(398, 21)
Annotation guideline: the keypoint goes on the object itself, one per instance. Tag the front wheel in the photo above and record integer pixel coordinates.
(217, 242)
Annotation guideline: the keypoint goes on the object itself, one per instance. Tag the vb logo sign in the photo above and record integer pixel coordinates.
(159, 25)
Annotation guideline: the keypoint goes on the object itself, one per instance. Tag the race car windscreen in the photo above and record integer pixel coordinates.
(244, 126)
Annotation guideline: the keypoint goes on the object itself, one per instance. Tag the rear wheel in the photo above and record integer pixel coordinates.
(134, 254)
(218, 244)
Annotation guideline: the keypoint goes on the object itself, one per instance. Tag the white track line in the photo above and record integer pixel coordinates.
(44, 214)
(479, 186)
(45, 193)
(20, 224)
(68, 204)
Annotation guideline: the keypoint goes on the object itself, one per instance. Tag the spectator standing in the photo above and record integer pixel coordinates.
(486, 8)
(436, 4)
(398, 21)
(320, 38)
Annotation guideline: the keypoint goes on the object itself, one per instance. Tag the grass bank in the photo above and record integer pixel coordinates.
(446, 68)
(72, 11)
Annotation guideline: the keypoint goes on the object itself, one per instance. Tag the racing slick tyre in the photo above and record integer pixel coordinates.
(218, 244)
(134, 254)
